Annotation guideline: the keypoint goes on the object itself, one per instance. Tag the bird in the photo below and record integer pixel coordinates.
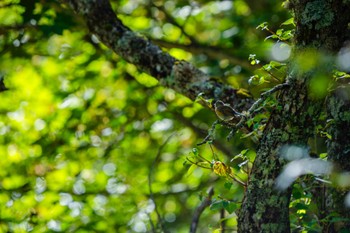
(226, 113)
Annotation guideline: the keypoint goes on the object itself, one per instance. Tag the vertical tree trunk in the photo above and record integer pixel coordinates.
(338, 106)
(320, 26)
(264, 209)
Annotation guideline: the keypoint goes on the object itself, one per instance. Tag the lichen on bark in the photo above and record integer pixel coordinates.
(338, 148)
(317, 14)
(293, 121)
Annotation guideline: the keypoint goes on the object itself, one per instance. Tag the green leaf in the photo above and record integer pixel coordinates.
(228, 185)
(301, 206)
(279, 32)
(241, 155)
(195, 151)
(289, 22)
(191, 169)
(262, 80)
(200, 196)
(296, 194)
(323, 155)
(230, 206)
(274, 64)
(218, 205)
(262, 26)
(251, 56)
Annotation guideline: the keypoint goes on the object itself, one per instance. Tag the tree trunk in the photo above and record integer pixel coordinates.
(338, 106)
(321, 27)
(264, 209)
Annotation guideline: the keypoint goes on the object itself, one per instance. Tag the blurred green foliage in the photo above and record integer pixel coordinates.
(81, 128)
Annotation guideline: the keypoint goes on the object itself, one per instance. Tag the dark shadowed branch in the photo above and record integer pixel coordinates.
(150, 174)
(198, 212)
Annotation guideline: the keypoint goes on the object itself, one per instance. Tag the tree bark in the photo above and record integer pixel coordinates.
(264, 208)
(338, 115)
(338, 105)
(320, 26)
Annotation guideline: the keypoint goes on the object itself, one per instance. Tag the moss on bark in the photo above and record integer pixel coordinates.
(264, 209)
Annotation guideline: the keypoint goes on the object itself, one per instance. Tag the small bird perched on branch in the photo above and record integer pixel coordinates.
(226, 113)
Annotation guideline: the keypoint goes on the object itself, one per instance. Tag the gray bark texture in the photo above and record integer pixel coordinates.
(338, 106)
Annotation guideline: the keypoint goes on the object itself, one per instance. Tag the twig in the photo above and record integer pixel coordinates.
(155, 161)
(210, 135)
(271, 74)
(203, 133)
(199, 165)
(273, 33)
(213, 52)
(151, 223)
(253, 108)
(238, 181)
(2, 85)
(6, 29)
(213, 152)
(205, 203)
(172, 20)
(266, 94)
(195, 46)
(245, 116)
(223, 221)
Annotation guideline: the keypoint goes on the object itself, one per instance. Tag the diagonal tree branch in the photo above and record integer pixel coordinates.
(181, 76)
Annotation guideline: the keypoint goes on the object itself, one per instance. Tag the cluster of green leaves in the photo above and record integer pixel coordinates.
(231, 191)
(273, 72)
(303, 210)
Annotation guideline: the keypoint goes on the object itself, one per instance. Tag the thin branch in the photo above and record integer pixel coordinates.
(211, 51)
(195, 47)
(6, 28)
(151, 223)
(272, 75)
(238, 181)
(273, 33)
(210, 136)
(266, 94)
(171, 19)
(215, 156)
(2, 85)
(255, 106)
(205, 203)
(155, 161)
(202, 133)
(223, 221)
